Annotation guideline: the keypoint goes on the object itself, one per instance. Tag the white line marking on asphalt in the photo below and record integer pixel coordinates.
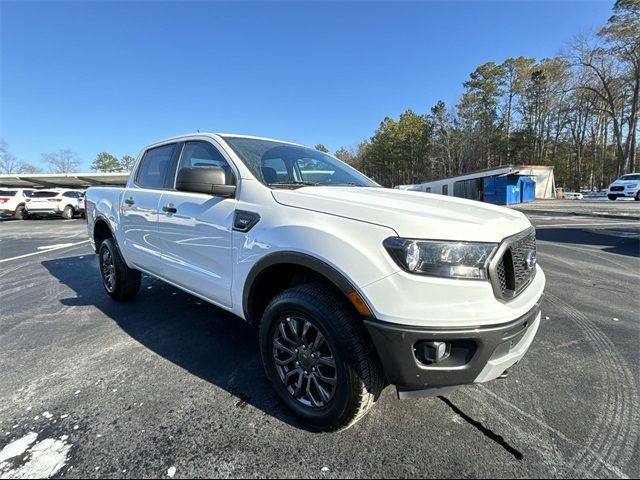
(57, 245)
(68, 245)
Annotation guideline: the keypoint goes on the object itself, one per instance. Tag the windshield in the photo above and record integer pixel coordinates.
(281, 165)
(634, 176)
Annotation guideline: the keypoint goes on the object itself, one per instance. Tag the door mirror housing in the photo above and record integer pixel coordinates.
(209, 180)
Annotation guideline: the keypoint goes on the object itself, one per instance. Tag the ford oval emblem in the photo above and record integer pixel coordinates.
(532, 259)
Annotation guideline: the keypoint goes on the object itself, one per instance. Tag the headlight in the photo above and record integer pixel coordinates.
(441, 259)
(632, 185)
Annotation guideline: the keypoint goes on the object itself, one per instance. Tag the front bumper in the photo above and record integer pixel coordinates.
(477, 354)
(624, 193)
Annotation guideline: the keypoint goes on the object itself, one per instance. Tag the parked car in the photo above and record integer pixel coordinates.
(55, 202)
(572, 196)
(625, 186)
(353, 286)
(81, 206)
(12, 202)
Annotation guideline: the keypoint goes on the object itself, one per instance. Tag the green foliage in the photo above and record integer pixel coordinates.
(105, 162)
(399, 149)
(126, 163)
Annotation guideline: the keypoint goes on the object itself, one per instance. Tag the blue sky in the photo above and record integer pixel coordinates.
(113, 76)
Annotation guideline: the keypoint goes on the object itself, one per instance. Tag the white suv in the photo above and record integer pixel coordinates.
(352, 285)
(626, 186)
(12, 202)
(55, 202)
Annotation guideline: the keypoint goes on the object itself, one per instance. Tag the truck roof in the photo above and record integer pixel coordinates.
(222, 136)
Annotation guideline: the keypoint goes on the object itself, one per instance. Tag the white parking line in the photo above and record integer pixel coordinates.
(67, 245)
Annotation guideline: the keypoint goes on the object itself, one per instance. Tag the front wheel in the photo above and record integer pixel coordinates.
(612, 197)
(318, 358)
(637, 197)
(120, 281)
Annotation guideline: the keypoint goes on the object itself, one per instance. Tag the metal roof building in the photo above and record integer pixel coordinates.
(471, 185)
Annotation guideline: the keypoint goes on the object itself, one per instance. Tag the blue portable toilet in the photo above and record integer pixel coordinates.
(502, 190)
(527, 189)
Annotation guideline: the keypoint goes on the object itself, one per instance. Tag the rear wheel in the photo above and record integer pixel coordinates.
(317, 356)
(612, 197)
(120, 281)
(67, 213)
(20, 213)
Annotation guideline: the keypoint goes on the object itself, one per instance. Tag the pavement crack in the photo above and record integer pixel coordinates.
(487, 432)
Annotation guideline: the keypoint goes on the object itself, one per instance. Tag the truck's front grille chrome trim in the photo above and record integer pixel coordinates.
(511, 271)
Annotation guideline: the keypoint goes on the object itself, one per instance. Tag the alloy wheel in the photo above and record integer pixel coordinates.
(304, 361)
(108, 270)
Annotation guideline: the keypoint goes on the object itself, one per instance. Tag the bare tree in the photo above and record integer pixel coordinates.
(10, 164)
(62, 161)
(622, 34)
(27, 168)
(578, 120)
(616, 84)
(8, 161)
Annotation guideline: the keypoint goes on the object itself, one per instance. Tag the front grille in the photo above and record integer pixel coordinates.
(617, 189)
(510, 273)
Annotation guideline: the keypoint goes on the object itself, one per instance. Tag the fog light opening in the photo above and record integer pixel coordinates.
(444, 353)
(435, 352)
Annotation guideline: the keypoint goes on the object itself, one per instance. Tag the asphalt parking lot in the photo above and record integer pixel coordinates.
(168, 384)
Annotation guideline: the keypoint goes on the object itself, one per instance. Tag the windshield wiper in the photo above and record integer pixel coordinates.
(294, 183)
(350, 184)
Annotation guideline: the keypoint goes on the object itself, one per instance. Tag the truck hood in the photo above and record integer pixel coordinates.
(411, 214)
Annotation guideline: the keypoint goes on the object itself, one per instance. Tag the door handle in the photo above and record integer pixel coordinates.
(169, 208)
(129, 201)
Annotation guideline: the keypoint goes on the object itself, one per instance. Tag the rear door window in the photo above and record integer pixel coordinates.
(155, 166)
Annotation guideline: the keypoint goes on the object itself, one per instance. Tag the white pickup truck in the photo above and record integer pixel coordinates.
(353, 286)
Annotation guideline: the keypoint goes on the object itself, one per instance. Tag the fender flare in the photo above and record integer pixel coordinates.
(101, 218)
(293, 258)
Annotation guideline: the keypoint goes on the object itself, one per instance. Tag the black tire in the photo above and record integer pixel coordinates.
(637, 197)
(119, 281)
(612, 197)
(20, 213)
(358, 376)
(67, 213)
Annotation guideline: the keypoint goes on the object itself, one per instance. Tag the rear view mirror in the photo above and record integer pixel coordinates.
(209, 180)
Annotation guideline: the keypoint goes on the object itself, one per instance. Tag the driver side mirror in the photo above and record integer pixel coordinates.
(209, 180)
